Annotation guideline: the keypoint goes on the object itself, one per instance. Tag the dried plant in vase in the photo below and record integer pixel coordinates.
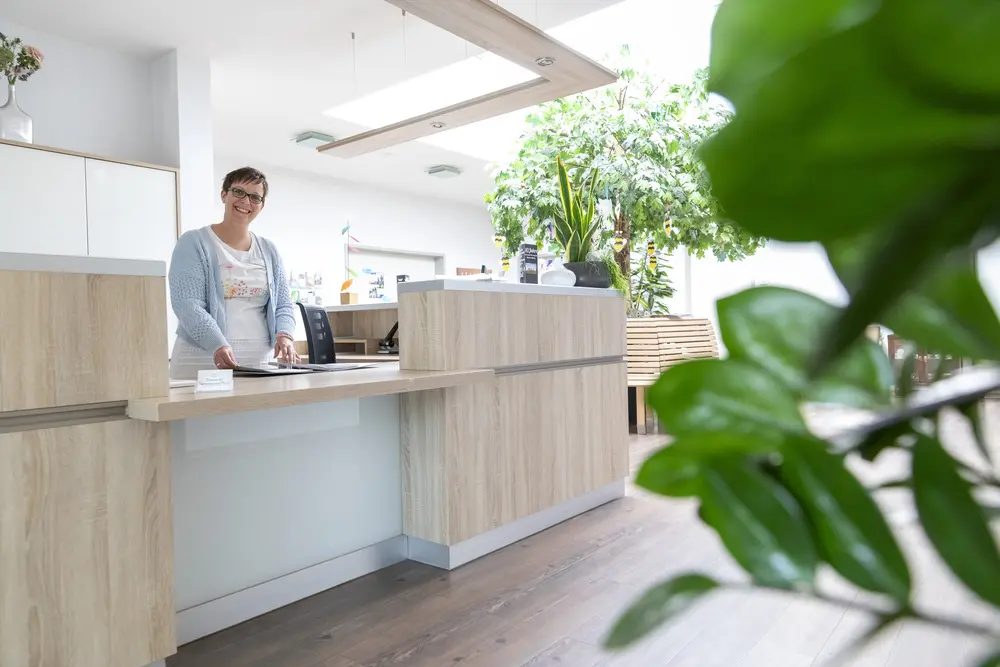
(18, 62)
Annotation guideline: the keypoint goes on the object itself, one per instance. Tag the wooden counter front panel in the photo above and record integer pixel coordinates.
(479, 457)
(449, 330)
(86, 546)
(71, 338)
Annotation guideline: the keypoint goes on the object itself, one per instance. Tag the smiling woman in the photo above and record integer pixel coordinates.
(228, 288)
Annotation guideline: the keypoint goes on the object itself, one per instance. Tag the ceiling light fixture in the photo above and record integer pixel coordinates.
(312, 139)
(437, 126)
(545, 61)
(444, 171)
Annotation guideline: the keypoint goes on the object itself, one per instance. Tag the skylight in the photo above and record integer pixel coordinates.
(674, 37)
(449, 85)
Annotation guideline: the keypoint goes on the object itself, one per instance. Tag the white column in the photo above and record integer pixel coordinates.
(182, 121)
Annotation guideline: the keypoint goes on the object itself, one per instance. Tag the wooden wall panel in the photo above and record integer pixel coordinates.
(86, 546)
(70, 338)
(423, 423)
(457, 329)
(481, 456)
(569, 429)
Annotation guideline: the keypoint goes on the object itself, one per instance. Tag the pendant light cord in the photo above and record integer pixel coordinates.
(354, 62)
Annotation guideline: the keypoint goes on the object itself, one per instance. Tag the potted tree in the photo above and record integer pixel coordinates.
(641, 135)
(575, 226)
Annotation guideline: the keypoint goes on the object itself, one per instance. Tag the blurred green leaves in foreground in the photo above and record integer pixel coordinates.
(873, 128)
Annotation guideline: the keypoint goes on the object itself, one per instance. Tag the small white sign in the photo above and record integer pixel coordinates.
(214, 380)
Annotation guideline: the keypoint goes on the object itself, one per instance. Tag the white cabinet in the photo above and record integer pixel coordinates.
(131, 211)
(43, 202)
(132, 214)
(57, 203)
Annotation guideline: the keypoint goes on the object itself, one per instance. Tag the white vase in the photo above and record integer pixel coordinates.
(14, 123)
(558, 275)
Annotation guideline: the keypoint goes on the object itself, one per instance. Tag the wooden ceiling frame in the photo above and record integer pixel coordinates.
(561, 71)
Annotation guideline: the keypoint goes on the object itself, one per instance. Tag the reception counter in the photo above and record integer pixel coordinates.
(86, 534)
(182, 513)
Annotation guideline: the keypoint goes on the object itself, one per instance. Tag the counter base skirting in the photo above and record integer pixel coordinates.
(450, 557)
(225, 612)
(221, 613)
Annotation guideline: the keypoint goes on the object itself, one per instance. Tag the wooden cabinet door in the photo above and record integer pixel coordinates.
(43, 202)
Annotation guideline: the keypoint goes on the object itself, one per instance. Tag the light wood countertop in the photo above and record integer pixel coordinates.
(351, 358)
(361, 307)
(284, 391)
(500, 286)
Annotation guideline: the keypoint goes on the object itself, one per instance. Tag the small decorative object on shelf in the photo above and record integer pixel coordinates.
(528, 263)
(557, 274)
(18, 62)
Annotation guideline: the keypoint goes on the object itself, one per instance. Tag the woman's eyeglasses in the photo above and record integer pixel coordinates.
(240, 193)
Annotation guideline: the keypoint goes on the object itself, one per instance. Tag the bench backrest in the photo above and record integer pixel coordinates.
(656, 343)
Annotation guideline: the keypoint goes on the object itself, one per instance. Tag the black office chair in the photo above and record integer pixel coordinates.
(319, 335)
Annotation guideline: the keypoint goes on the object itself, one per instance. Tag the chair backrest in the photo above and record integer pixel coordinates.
(319, 334)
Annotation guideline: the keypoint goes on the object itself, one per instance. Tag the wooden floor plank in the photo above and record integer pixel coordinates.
(549, 601)
(567, 652)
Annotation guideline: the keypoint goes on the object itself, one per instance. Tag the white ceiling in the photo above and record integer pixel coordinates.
(277, 65)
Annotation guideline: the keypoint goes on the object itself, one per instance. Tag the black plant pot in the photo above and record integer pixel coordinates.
(590, 274)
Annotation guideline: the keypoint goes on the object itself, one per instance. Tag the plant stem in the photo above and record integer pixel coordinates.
(899, 614)
(911, 613)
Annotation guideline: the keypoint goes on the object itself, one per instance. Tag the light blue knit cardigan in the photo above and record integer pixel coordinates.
(196, 291)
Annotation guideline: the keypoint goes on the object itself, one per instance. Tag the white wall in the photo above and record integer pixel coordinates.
(304, 216)
(87, 99)
(801, 266)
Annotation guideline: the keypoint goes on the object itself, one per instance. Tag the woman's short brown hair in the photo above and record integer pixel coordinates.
(245, 175)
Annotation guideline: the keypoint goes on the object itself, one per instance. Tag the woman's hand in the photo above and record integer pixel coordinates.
(284, 350)
(224, 358)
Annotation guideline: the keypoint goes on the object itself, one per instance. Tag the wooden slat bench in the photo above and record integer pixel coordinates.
(657, 343)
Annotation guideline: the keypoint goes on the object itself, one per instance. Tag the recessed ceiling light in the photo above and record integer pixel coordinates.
(545, 61)
(437, 125)
(312, 139)
(444, 171)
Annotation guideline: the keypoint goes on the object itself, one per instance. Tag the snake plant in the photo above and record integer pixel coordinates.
(576, 225)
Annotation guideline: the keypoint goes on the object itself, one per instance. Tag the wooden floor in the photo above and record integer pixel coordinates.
(548, 601)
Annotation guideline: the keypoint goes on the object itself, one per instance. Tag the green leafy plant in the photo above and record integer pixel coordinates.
(641, 135)
(575, 223)
(618, 279)
(18, 61)
(650, 287)
(872, 128)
